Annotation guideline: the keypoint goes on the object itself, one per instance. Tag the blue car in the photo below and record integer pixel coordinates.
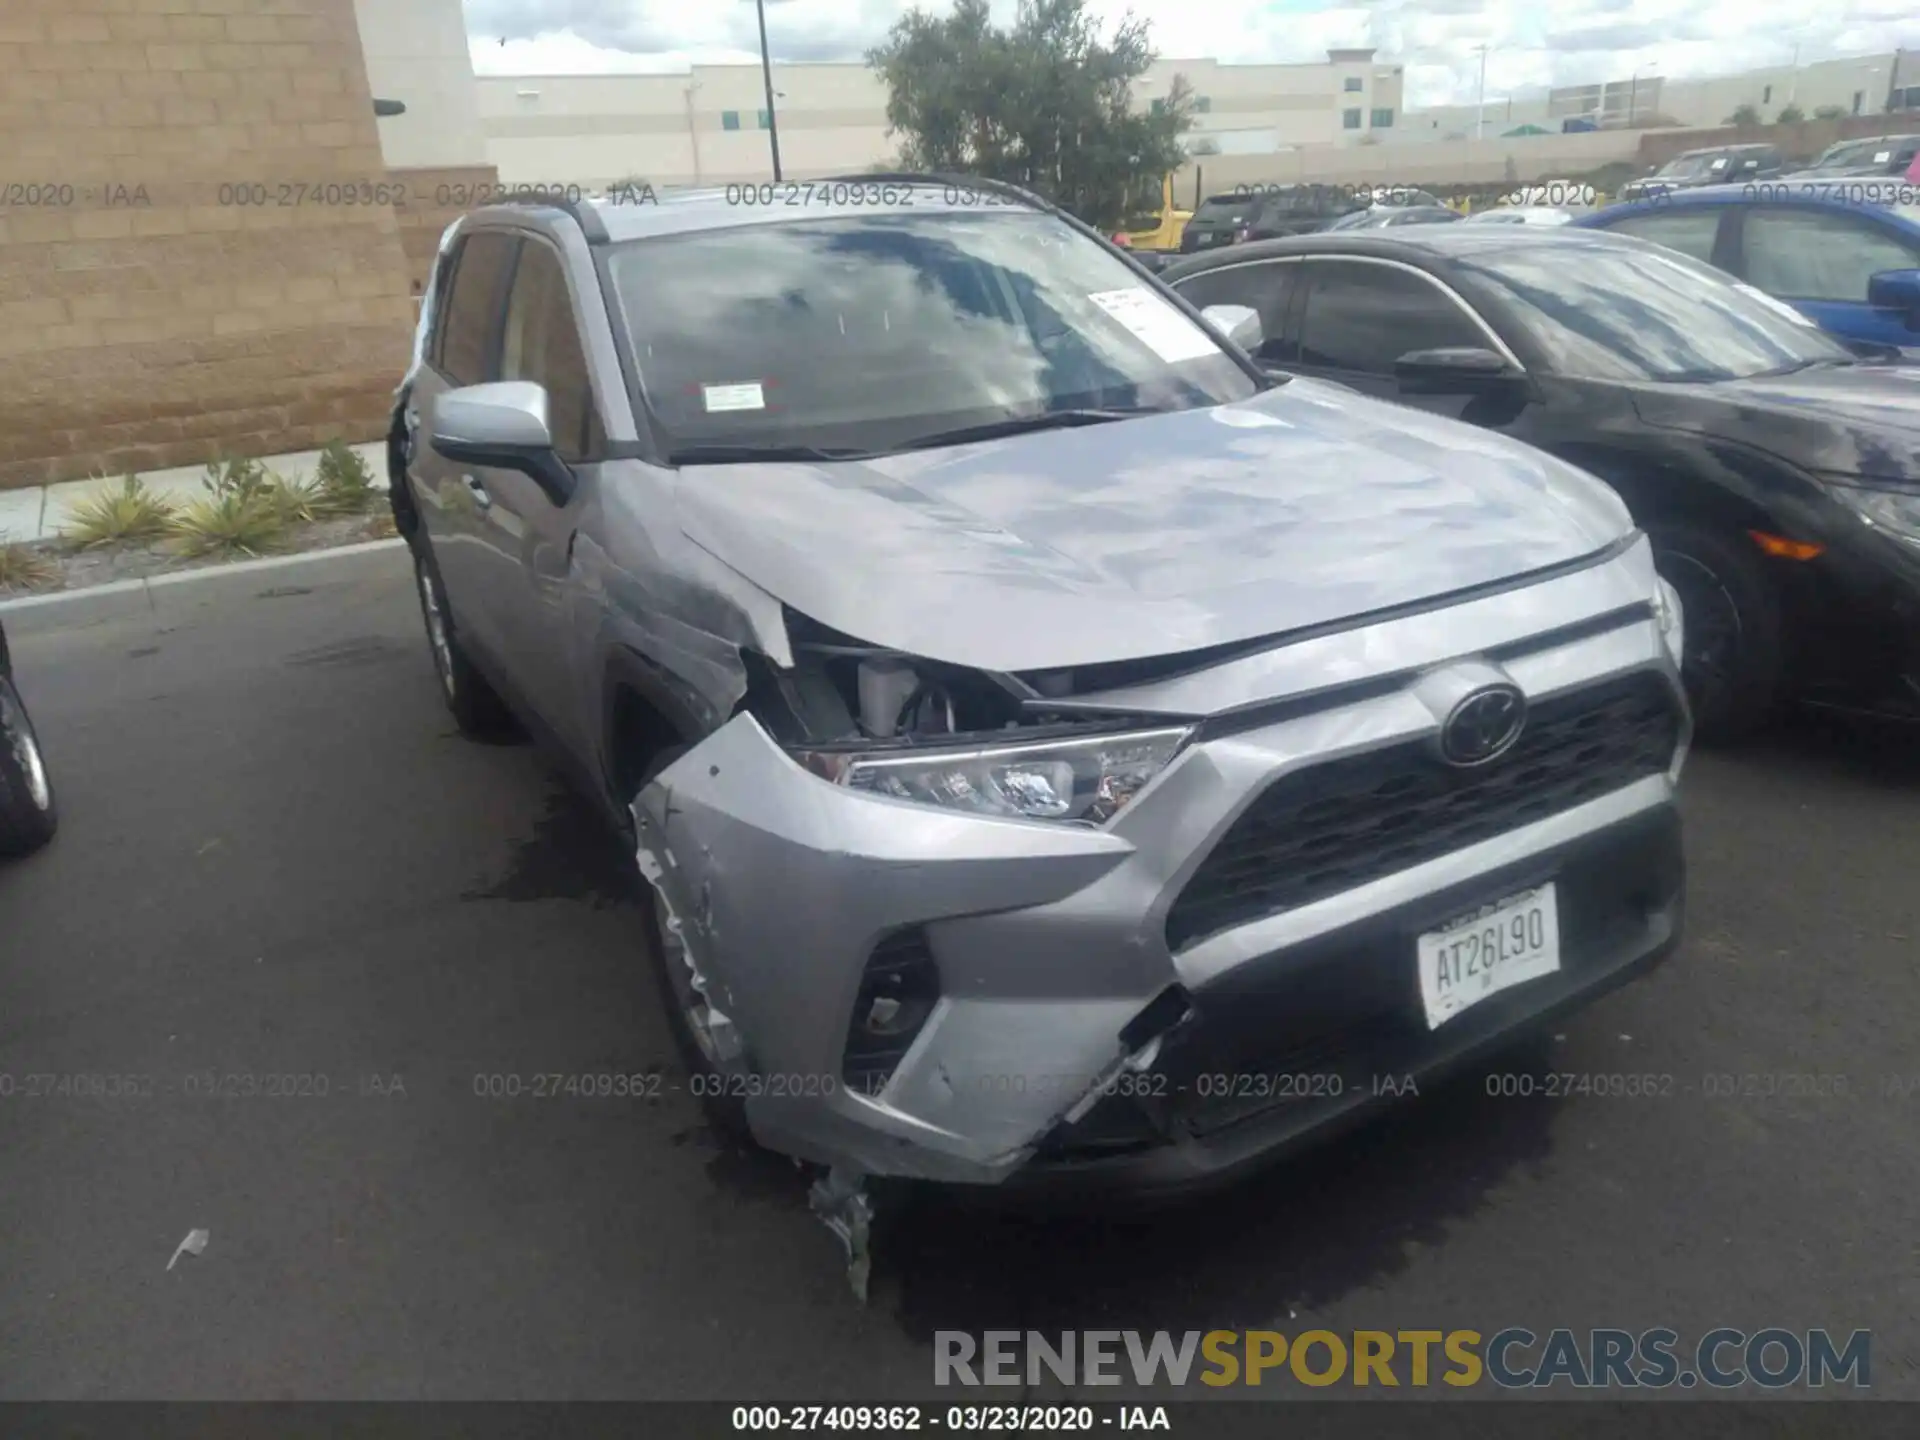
(1845, 253)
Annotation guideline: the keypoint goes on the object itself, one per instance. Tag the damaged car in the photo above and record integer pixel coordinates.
(1059, 753)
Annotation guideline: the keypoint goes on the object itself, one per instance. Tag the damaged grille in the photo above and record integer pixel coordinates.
(1337, 826)
(897, 994)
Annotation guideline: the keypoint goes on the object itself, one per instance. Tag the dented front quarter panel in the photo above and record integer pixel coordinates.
(783, 883)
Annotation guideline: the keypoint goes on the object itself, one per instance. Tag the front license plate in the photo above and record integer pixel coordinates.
(1505, 944)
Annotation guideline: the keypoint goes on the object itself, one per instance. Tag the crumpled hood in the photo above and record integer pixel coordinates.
(1304, 505)
(1853, 420)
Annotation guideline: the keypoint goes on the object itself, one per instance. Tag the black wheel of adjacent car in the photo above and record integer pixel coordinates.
(477, 708)
(1734, 654)
(28, 815)
(717, 1072)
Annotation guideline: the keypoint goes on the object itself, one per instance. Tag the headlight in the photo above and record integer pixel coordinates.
(1672, 616)
(1894, 511)
(1078, 782)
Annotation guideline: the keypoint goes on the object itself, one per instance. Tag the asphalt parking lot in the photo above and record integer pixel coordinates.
(277, 859)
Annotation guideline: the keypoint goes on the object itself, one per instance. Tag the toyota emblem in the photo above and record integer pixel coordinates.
(1484, 726)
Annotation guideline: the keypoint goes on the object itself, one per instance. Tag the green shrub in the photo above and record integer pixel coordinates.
(238, 520)
(345, 481)
(130, 514)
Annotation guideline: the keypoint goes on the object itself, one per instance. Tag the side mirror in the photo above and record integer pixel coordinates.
(502, 425)
(1896, 290)
(1239, 323)
(1458, 370)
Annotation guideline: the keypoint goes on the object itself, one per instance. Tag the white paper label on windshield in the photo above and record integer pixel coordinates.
(1156, 324)
(1881, 157)
(733, 397)
(1779, 306)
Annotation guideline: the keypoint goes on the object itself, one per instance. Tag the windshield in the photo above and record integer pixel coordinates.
(877, 331)
(1848, 155)
(1646, 313)
(1225, 207)
(1686, 167)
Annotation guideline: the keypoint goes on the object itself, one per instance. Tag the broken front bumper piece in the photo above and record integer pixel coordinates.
(1064, 1039)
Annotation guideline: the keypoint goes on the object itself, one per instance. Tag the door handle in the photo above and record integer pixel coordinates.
(478, 490)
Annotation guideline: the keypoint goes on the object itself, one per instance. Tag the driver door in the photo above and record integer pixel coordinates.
(528, 529)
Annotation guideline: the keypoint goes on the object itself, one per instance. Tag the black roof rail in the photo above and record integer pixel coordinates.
(582, 211)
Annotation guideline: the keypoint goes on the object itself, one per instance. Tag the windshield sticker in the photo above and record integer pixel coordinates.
(1881, 157)
(733, 397)
(1156, 324)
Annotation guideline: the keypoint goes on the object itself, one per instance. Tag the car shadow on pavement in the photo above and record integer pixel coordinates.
(1298, 1236)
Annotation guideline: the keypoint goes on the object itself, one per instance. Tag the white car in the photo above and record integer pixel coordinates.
(1522, 215)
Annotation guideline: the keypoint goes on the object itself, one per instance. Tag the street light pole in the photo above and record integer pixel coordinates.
(1480, 108)
(766, 74)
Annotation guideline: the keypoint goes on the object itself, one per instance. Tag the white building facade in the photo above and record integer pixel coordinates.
(710, 125)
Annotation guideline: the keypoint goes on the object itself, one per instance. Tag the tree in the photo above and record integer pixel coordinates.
(1743, 115)
(1830, 112)
(1046, 104)
(1790, 115)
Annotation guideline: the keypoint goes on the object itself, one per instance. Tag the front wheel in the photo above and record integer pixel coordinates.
(28, 816)
(1734, 653)
(477, 708)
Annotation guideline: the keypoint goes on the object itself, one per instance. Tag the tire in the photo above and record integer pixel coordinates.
(716, 1081)
(1734, 645)
(476, 706)
(28, 813)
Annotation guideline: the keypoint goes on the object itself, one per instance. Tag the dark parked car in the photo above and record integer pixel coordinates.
(1844, 253)
(1267, 212)
(27, 814)
(1778, 474)
(1888, 155)
(1715, 165)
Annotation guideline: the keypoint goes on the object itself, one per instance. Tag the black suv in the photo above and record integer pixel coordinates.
(1879, 155)
(1714, 165)
(1271, 212)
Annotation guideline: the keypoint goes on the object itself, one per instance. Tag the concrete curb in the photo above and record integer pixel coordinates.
(118, 599)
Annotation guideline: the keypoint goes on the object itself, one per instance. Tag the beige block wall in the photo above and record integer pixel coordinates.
(196, 258)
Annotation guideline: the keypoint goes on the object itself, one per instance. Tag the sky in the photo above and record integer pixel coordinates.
(1531, 43)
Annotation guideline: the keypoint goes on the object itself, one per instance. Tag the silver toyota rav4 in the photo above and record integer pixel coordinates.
(1059, 753)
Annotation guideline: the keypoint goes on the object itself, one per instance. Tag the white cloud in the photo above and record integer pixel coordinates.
(1529, 46)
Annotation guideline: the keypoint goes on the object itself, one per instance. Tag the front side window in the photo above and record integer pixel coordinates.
(1607, 312)
(1690, 231)
(1819, 255)
(880, 331)
(473, 307)
(541, 343)
(1267, 288)
(1362, 317)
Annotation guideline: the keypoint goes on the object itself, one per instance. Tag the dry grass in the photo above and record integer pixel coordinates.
(234, 524)
(24, 567)
(131, 514)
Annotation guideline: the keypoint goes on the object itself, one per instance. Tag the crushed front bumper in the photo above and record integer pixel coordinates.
(1051, 1055)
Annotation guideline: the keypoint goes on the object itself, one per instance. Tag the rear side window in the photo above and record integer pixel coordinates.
(1819, 254)
(1690, 231)
(467, 326)
(1363, 317)
(541, 343)
(1226, 207)
(1267, 288)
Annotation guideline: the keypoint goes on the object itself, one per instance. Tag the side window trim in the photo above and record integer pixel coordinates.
(443, 287)
(1289, 321)
(594, 442)
(496, 325)
(1474, 317)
